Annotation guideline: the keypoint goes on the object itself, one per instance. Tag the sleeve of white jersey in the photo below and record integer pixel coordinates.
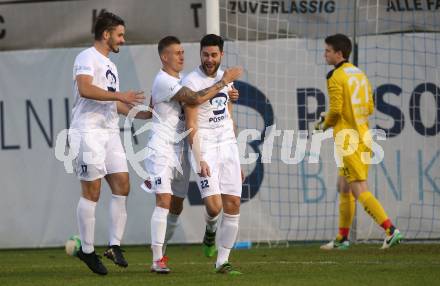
(187, 82)
(83, 65)
(165, 89)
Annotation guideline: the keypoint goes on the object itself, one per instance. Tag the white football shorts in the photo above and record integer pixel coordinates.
(99, 154)
(224, 164)
(167, 174)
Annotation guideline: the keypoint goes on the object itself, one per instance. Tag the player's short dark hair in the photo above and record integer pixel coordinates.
(166, 42)
(106, 21)
(340, 43)
(212, 40)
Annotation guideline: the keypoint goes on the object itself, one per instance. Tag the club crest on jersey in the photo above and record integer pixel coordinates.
(219, 103)
(111, 77)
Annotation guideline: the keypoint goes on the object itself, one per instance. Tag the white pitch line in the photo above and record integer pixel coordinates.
(327, 262)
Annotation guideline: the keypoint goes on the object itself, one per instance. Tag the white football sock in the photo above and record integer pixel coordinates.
(226, 237)
(118, 218)
(211, 222)
(158, 230)
(172, 223)
(85, 214)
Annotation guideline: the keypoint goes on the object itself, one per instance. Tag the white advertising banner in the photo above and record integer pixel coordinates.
(283, 198)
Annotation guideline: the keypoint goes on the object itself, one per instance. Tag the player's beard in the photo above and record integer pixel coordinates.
(113, 46)
(115, 50)
(208, 72)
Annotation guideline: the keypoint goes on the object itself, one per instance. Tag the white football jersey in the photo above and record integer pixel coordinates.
(89, 114)
(214, 121)
(168, 117)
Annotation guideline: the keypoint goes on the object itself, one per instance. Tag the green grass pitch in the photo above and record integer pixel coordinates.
(300, 264)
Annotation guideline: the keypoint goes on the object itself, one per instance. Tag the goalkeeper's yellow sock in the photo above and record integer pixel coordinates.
(373, 207)
(347, 205)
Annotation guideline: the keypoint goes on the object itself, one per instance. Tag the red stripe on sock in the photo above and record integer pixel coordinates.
(386, 224)
(343, 231)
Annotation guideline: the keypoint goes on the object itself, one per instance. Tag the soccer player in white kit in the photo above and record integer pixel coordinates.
(215, 154)
(94, 132)
(168, 174)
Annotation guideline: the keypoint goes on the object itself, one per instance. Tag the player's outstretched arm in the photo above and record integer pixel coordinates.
(189, 96)
(191, 120)
(88, 90)
(124, 109)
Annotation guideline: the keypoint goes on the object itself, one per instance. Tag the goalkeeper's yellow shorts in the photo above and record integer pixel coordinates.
(354, 169)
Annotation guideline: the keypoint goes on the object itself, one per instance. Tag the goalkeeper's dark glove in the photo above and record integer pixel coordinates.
(319, 125)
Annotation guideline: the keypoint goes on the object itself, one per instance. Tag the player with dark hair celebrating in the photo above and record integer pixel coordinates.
(165, 155)
(216, 157)
(94, 131)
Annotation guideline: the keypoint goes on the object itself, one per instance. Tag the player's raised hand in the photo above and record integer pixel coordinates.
(233, 94)
(132, 97)
(232, 74)
(204, 169)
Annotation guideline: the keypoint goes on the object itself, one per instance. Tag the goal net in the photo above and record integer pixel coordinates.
(290, 195)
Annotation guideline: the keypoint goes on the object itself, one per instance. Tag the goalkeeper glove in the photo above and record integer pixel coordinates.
(319, 125)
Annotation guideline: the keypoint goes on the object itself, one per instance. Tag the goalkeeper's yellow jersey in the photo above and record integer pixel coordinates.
(351, 99)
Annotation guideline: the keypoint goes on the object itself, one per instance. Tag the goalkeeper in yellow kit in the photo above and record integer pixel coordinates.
(351, 103)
